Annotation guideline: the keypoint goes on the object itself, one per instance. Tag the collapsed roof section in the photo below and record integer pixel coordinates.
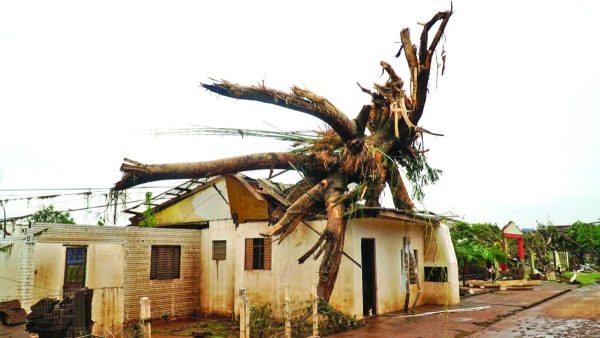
(242, 199)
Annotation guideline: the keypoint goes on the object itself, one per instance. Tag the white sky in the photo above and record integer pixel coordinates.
(83, 84)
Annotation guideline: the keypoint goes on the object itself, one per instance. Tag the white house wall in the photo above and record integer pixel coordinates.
(267, 286)
(217, 287)
(104, 269)
(388, 235)
(49, 262)
(439, 252)
(9, 269)
(221, 280)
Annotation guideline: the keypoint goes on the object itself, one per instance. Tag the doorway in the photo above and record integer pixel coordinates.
(369, 281)
(75, 262)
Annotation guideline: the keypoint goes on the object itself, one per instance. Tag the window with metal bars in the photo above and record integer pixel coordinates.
(436, 274)
(75, 262)
(165, 262)
(258, 254)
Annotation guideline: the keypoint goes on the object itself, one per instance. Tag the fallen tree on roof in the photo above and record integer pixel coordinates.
(342, 154)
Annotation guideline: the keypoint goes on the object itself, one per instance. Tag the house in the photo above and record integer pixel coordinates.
(232, 211)
(206, 246)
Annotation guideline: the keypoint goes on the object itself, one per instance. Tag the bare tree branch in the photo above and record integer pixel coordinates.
(402, 200)
(411, 59)
(297, 211)
(425, 54)
(301, 100)
(135, 173)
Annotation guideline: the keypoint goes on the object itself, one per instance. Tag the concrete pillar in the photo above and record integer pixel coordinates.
(145, 316)
(26, 271)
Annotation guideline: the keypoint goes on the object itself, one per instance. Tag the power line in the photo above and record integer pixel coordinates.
(70, 189)
(78, 209)
(93, 192)
(31, 284)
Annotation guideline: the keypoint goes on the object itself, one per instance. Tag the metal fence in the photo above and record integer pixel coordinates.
(60, 315)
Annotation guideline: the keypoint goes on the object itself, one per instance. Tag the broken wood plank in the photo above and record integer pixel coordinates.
(265, 186)
(10, 305)
(15, 316)
(442, 311)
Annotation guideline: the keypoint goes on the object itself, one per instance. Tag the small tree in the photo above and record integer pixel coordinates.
(541, 243)
(148, 218)
(48, 214)
(477, 244)
(583, 238)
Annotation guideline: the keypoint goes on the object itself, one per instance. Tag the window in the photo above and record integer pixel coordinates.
(257, 254)
(75, 262)
(219, 250)
(165, 261)
(436, 274)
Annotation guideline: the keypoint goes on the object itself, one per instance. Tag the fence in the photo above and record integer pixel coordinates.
(57, 314)
(311, 317)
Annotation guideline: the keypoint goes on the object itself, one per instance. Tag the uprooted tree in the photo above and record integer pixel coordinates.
(332, 159)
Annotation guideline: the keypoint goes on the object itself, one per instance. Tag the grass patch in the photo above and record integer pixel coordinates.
(584, 278)
(211, 327)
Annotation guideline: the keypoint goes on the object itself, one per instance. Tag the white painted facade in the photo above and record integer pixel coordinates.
(221, 279)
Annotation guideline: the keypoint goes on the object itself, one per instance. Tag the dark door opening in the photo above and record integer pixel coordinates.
(369, 281)
(75, 261)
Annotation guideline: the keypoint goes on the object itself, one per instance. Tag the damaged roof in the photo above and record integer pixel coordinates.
(275, 193)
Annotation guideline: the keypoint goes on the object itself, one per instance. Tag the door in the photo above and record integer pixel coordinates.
(75, 261)
(369, 281)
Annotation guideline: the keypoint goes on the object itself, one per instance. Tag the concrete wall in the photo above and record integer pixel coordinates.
(267, 285)
(217, 289)
(388, 235)
(221, 280)
(439, 252)
(104, 269)
(9, 269)
(49, 262)
(117, 269)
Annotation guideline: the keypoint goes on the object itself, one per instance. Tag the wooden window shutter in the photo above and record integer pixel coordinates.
(154, 263)
(165, 262)
(248, 254)
(268, 253)
(219, 250)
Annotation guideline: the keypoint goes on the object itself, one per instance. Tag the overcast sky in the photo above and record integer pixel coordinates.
(84, 84)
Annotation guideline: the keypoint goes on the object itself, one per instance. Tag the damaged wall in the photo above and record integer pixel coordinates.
(221, 280)
(206, 204)
(9, 268)
(117, 269)
(439, 253)
(104, 269)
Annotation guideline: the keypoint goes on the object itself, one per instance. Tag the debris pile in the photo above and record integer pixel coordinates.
(503, 285)
(71, 317)
(11, 312)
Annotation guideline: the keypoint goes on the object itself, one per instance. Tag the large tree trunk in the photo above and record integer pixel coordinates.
(301, 100)
(136, 173)
(334, 237)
